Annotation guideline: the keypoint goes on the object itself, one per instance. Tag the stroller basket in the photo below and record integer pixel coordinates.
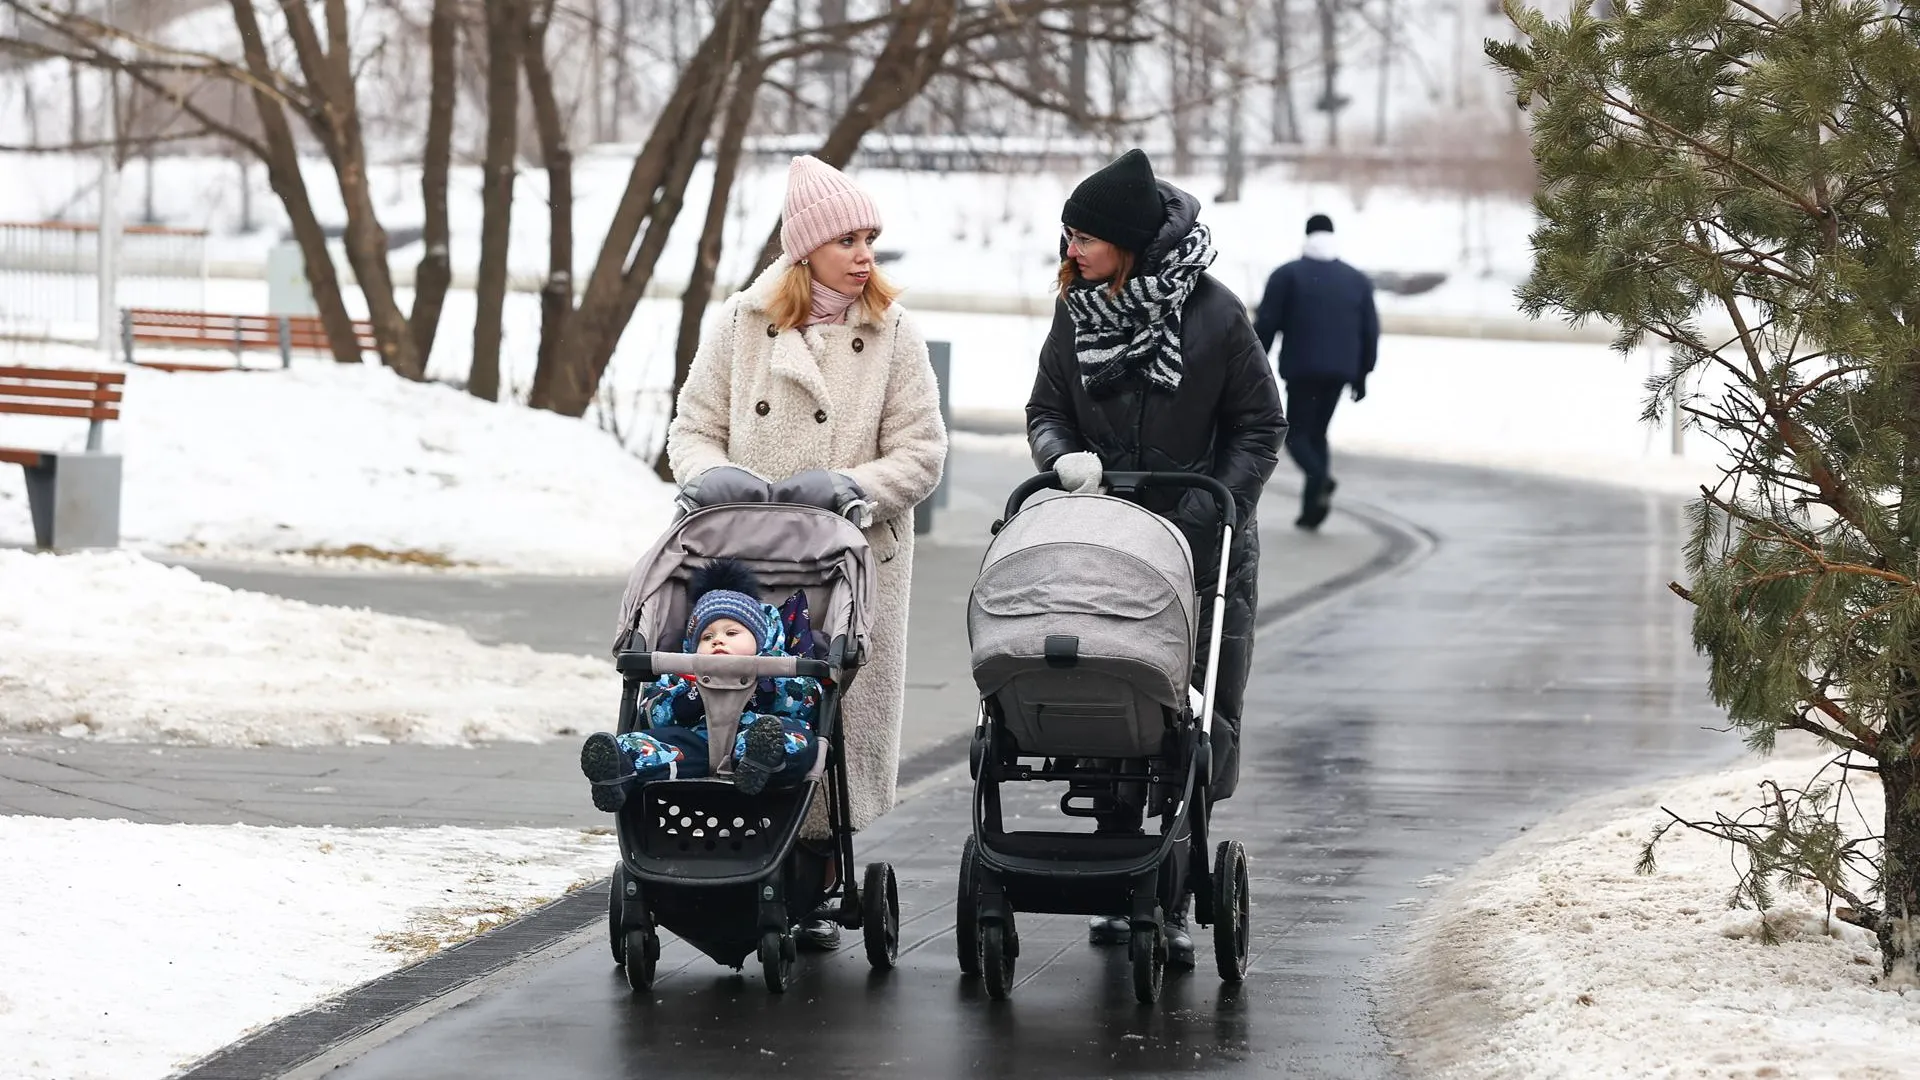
(709, 831)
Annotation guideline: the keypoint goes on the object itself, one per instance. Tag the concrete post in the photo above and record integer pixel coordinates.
(126, 335)
(286, 344)
(941, 355)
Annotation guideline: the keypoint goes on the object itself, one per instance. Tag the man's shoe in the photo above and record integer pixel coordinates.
(604, 763)
(1109, 930)
(1179, 942)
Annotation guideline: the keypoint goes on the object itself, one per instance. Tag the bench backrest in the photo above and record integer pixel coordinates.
(152, 326)
(83, 395)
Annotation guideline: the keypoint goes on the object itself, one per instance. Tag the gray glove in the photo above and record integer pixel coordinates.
(1078, 471)
(835, 491)
(723, 484)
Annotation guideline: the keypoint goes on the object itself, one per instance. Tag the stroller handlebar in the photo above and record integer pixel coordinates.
(1128, 482)
(648, 665)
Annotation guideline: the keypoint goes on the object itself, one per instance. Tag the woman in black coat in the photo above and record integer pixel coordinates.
(1152, 365)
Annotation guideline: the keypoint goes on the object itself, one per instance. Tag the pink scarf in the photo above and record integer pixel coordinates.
(829, 305)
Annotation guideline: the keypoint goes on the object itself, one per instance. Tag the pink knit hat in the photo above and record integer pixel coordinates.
(821, 205)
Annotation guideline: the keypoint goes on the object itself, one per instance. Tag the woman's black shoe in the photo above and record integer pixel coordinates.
(818, 935)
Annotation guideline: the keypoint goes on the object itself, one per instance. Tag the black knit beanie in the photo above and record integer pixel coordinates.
(1319, 223)
(1119, 204)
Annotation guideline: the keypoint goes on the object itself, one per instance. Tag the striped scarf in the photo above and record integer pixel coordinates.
(1138, 330)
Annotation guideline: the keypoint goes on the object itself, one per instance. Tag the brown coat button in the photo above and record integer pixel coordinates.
(772, 330)
(858, 345)
(763, 408)
(820, 416)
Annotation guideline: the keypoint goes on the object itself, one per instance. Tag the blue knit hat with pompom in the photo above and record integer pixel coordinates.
(726, 589)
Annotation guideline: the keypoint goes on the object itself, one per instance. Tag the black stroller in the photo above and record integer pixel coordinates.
(721, 869)
(1082, 624)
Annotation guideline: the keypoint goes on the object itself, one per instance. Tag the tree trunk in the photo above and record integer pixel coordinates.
(506, 40)
(1286, 122)
(1330, 68)
(1386, 73)
(329, 75)
(556, 296)
(622, 85)
(435, 272)
(656, 189)
(283, 174)
(1077, 55)
(903, 69)
(706, 264)
(1899, 928)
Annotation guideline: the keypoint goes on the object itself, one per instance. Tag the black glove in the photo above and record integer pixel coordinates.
(1360, 389)
(723, 484)
(835, 491)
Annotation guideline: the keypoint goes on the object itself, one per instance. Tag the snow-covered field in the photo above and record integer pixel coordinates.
(1553, 959)
(113, 646)
(324, 457)
(128, 950)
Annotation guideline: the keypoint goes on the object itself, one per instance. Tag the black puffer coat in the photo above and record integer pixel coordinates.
(1224, 420)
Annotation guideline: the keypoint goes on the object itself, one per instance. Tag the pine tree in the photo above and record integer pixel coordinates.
(1710, 164)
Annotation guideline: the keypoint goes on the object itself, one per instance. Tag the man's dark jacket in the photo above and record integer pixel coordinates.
(1224, 420)
(1323, 311)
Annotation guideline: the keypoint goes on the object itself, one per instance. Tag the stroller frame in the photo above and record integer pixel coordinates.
(691, 848)
(1146, 876)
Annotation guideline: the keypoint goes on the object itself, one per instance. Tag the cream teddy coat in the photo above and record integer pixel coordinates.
(860, 398)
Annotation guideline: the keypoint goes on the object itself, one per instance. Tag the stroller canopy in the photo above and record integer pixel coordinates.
(1082, 624)
(788, 546)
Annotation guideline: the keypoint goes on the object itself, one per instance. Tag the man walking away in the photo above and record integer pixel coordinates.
(1323, 311)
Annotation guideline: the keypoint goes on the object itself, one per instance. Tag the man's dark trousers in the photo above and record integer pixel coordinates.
(1310, 404)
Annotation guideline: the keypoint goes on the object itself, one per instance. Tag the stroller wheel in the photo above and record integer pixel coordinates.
(966, 913)
(642, 949)
(776, 961)
(1148, 951)
(616, 931)
(880, 921)
(996, 959)
(1232, 910)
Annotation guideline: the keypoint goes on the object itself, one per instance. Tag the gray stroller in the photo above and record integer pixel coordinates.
(1083, 623)
(719, 868)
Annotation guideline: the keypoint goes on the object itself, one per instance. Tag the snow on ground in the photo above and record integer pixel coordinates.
(1553, 959)
(128, 950)
(113, 646)
(324, 457)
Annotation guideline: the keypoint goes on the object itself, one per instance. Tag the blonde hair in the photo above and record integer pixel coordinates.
(792, 303)
(1070, 273)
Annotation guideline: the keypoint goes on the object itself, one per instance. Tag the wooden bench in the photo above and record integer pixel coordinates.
(74, 497)
(240, 333)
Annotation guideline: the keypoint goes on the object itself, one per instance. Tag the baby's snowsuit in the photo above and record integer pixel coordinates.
(674, 743)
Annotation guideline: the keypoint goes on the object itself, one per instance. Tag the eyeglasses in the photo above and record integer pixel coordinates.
(1076, 238)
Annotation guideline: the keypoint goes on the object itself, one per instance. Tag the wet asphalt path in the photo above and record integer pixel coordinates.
(1397, 735)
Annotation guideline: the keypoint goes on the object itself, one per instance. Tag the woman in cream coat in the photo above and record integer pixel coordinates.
(814, 366)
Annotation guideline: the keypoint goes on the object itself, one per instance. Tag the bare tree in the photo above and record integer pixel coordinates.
(506, 42)
(435, 270)
(1286, 122)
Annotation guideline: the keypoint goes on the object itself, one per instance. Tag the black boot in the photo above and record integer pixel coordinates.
(604, 763)
(766, 753)
(1179, 942)
(1109, 930)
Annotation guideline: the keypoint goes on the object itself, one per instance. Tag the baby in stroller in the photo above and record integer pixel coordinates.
(776, 741)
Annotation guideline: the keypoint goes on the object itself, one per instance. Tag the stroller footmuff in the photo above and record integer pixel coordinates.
(1083, 623)
(721, 868)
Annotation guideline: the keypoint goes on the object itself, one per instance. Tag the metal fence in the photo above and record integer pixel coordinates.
(49, 285)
